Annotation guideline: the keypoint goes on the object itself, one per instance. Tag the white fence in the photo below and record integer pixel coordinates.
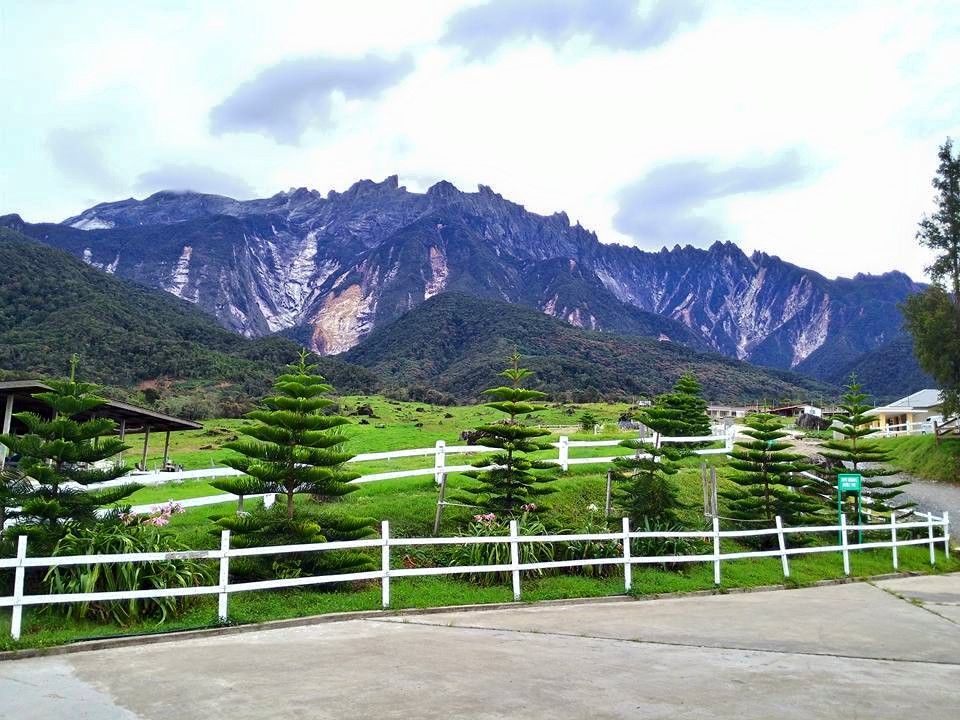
(440, 451)
(224, 587)
(909, 428)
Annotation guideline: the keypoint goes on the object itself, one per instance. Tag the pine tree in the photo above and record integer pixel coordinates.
(854, 453)
(292, 448)
(59, 454)
(644, 489)
(687, 396)
(511, 480)
(766, 485)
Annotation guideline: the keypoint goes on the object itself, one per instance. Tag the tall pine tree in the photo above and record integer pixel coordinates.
(644, 489)
(510, 479)
(768, 483)
(856, 453)
(687, 397)
(292, 448)
(61, 452)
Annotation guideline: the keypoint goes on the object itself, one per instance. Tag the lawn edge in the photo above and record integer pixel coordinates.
(200, 633)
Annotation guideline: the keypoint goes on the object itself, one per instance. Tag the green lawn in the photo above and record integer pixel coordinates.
(921, 456)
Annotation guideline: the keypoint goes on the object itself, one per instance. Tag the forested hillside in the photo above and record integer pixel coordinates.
(133, 338)
(455, 344)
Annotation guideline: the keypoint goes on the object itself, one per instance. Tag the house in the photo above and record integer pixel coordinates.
(914, 413)
(718, 413)
(796, 410)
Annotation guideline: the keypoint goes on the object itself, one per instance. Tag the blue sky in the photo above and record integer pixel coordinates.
(807, 130)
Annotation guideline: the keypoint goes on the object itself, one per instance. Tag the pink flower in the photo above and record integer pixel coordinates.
(487, 519)
(528, 507)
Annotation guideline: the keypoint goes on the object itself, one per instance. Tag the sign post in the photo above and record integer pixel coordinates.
(850, 482)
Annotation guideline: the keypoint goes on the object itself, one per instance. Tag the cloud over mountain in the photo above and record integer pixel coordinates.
(664, 206)
(617, 24)
(283, 100)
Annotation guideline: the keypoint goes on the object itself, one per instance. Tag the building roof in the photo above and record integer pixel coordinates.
(135, 419)
(920, 400)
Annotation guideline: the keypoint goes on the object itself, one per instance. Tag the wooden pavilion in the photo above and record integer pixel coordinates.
(17, 396)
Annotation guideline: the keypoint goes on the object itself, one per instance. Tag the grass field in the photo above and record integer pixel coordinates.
(921, 456)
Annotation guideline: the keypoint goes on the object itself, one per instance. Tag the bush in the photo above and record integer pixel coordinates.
(666, 546)
(592, 550)
(499, 553)
(109, 539)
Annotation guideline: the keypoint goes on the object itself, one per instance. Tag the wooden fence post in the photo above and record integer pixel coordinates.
(946, 533)
(893, 540)
(627, 567)
(564, 447)
(844, 547)
(16, 615)
(716, 550)
(515, 559)
(224, 574)
(439, 460)
(606, 504)
(933, 555)
(385, 561)
(783, 548)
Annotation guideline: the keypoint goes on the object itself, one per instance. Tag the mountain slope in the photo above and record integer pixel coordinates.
(339, 266)
(456, 344)
(52, 305)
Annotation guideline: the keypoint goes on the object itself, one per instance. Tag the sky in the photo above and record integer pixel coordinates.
(807, 130)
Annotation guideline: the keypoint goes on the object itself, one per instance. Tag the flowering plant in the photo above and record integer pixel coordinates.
(158, 519)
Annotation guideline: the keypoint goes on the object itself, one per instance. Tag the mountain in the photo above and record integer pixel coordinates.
(128, 336)
(454, 345)
(331, 269)
(885, 372)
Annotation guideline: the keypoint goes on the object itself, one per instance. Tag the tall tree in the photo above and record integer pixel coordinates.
(933, 316)
(62, 453)
(292, 448)
(687, 397)
(509, 480)
(855, 453)
(644, 489)
(768, 482)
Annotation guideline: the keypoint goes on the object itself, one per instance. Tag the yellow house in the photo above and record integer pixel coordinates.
(912, 414)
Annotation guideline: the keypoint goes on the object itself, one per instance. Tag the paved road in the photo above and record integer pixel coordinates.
(934, 497)
(854, 651)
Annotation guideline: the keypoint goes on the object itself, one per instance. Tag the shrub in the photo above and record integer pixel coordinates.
(592, 549)
(666, 546)
(499, 553)
(109, 539)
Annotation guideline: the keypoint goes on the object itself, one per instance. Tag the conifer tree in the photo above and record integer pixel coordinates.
(644, 489)
(855, 453)
(687, 397)
(59, 452)
(766, 485)
(292, 448)
(511, 480)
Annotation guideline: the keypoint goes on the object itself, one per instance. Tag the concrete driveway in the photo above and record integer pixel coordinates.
(884, 650)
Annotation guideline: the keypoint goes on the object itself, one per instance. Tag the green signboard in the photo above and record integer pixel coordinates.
(849, 482)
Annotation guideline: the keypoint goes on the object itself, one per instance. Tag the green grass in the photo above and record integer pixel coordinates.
(921, 456)
(396, 425)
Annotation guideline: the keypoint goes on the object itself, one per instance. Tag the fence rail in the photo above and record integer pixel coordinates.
(440, 451)
(386, 543)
